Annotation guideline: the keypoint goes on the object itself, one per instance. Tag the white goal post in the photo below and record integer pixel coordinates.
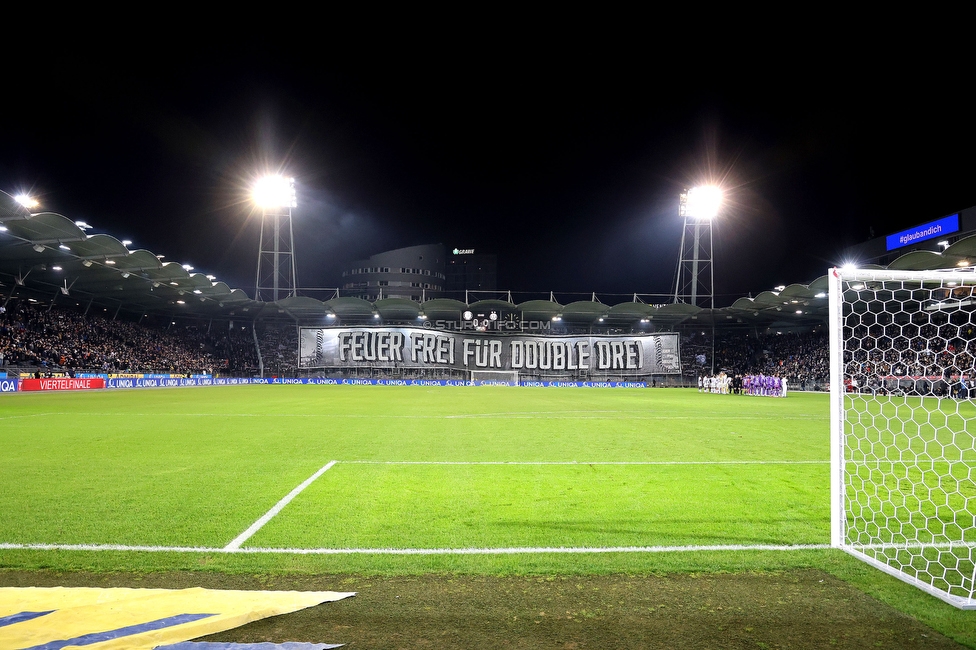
(903, 425)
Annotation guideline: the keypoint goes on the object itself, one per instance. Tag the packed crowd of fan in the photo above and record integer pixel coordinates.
(803, 359)
(65, 340)
(927, 350)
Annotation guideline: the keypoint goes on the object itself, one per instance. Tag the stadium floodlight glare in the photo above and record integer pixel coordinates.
(702, 202)
(275, 192)
(26, 200)
(127, 242)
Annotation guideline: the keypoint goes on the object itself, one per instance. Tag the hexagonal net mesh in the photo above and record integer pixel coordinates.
(903, 346)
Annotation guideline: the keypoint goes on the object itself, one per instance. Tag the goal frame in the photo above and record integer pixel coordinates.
(838, 421)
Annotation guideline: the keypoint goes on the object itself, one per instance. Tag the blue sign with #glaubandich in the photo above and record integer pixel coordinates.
(931, 230)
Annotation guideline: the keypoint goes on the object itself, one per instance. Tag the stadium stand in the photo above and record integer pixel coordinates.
(36, 338)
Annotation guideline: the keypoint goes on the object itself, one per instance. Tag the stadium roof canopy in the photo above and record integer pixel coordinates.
(48, 257)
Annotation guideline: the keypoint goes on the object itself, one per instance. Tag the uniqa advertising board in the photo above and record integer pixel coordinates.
(407, 347)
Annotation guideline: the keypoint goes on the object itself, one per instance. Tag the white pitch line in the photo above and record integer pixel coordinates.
(583, 462)
(529, 550)
(256, 526)
(554, 415)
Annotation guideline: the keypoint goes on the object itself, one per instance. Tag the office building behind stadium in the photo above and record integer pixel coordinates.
(413, 273)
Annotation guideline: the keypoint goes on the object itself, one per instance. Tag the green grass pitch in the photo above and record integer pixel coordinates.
(418, 468)
(440, 468)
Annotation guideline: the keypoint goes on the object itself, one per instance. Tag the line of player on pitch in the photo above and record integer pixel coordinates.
(723, 384)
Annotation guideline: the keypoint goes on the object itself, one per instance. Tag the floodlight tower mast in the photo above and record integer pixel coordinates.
(276, 276)
(694, 282)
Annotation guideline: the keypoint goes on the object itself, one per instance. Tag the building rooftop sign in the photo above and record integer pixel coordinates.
(931, 230)
(463, 251)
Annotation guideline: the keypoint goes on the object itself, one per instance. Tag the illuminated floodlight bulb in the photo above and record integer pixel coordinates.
(26, 200)
(127, 242)
(701, 202)
(275, 192)
(82, 225)
(848, 266)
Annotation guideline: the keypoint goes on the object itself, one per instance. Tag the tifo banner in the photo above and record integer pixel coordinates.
(58, 617)
(62, 383)
(406, 347)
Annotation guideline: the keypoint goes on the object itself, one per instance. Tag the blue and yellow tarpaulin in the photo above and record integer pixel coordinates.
(51, 618)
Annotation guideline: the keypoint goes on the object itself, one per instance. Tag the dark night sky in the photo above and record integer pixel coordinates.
(566, 166)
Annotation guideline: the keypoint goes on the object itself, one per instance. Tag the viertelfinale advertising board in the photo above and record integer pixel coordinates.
(408, 347)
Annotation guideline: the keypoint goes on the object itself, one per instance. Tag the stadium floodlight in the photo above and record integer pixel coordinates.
(275, 192)
(702, 202)
(276, 275)
(26, 200)
(127, 242)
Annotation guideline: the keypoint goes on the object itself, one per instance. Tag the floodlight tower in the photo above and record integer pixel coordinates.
(695, 277)
(276, 277)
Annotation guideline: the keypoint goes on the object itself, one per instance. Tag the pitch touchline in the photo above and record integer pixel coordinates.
(415, 551)
(554, 415)
(583, 462)
(257, 525)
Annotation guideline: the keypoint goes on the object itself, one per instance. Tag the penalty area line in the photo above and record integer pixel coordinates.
(528, 550)
(257, 525)
(583, 462)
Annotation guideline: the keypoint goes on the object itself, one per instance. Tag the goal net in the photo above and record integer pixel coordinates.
(510, 377)
(903, 425)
